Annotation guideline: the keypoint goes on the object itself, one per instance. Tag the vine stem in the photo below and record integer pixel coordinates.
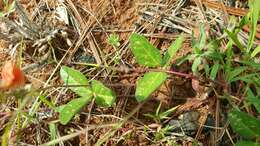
(125, 69)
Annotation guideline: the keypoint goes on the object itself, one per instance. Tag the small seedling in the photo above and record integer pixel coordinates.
(114, 40)
(8, 7)
(79, 84)
(149, 56)
(158, 116)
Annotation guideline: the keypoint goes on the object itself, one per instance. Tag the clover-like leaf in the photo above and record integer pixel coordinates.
(103, 95)
(244, 124)
(73, 77)
(68, 111)
(145, 53)
(148, 84)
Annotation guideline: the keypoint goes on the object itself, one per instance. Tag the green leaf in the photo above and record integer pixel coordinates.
(74, 77)
(175, 46)
(195, 65)
(148, 84)
(244, 124)
(252, 99)
(114, 40)
(60, 108)
(214, 71)
(72, 108)
(247, 143)
(256, 51)
(145, 53)
(103, 95)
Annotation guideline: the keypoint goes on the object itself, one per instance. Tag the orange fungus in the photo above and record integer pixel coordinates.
(12, 76)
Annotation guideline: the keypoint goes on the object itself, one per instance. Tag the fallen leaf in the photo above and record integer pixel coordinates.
(196, 86)
(12, 76)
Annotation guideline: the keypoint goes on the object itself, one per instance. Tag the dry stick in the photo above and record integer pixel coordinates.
(112, 131)
(82, 23)
(217, 131)
(88, 119)
(229, 136)
(36, 102)
(85, 33)
(201, 11)
(116, 125)
(224, 9)
(67, 137)
(230, 10)
(201, 125)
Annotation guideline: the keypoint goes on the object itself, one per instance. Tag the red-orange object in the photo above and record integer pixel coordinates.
(12, 76)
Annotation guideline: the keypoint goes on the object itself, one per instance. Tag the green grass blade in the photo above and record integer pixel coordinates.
(175, 46)
(234, 38)
(255, 52)
(52, 128)
(254, 6)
